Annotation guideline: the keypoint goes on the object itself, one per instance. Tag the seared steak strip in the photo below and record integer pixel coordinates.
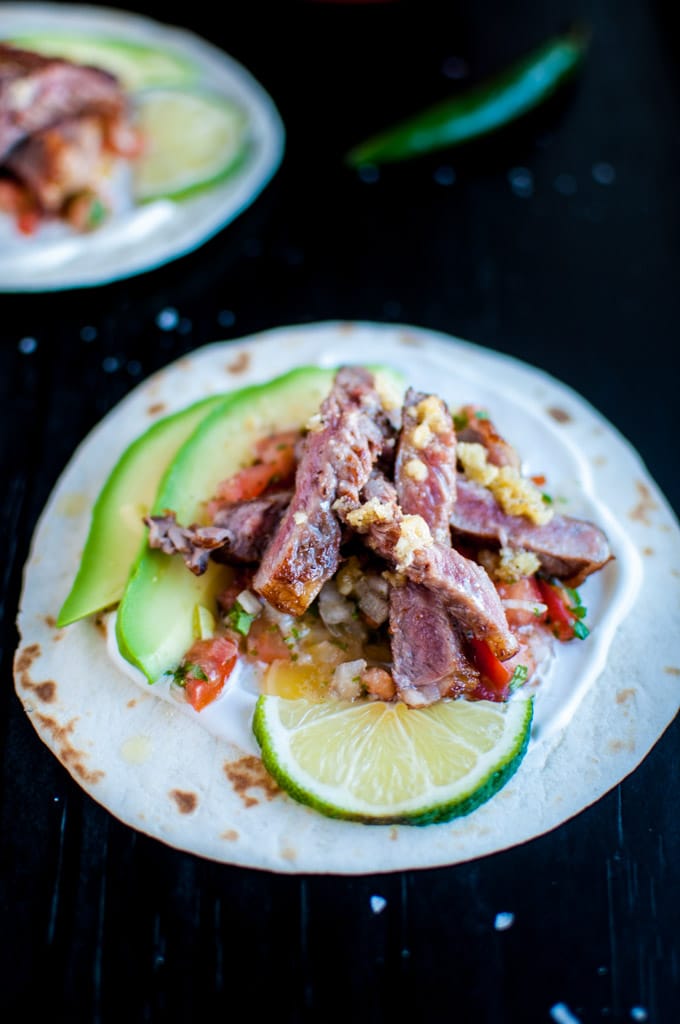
(476, 428)
(428, 656)
(341, 447)
(238, 534)
(570, 549)
(193, 543)
(405, 541)
(38, 92)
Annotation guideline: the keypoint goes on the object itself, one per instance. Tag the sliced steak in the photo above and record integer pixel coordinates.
(570, 549)
(428, 654)
(405, 541)
(238, 534)
(425, 467)
(336, 461)
(475, 427)
(38, 92)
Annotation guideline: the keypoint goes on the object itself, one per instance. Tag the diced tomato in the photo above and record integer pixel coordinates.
(493, 671)
(527, 590)
(274, 463)
(539, 479)
(265, 642)
(209, 664)
(559, 615)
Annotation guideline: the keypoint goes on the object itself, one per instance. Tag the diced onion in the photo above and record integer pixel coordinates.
(346, 682)
(249, 602)
(535, 607)
(333, 607)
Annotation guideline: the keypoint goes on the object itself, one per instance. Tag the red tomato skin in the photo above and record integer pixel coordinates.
(495, 676)
(559, 616)
(525, 589)
(265, 643)
(216, 659)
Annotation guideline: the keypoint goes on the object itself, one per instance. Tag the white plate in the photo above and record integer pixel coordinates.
(141, 238)
(193, 781)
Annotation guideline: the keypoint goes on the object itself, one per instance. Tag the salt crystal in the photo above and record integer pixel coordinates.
(167, 319)
(503, 921)
(638, 1013)
(378, 904)
(561, 1014)
(369, 173)
(27, 345)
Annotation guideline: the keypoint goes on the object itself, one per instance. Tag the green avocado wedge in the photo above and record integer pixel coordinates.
(155, 620)
(135, 64)
(116, 528)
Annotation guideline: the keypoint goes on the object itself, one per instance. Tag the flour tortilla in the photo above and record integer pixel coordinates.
(197, 783)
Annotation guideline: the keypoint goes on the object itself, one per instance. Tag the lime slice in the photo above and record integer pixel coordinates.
(193, 140)
(382, 763)
(136, 65)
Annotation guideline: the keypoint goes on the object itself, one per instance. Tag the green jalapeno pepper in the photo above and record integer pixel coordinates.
(482, 109)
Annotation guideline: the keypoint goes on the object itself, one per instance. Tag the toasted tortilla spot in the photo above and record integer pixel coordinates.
(288, 853)
(618, 746)
(645, 505)
(648, 551)
(624, 695)
(69, 756)
(50, 621)
(559, 415)
(672, 670)
(100, 625)
(394, 833)
(410, 340)
(132, 703)
(600, 460)
(231, 835)
(156, 409)
(240, 364)
(186, 802)
(46, 692)
(72, 505)
(25, 659)
(249, 773)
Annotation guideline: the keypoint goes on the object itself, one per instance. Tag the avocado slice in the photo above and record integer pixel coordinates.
(116, 528)
(155, 624)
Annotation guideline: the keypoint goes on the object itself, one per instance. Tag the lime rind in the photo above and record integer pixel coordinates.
(440, 800)
(197, 140)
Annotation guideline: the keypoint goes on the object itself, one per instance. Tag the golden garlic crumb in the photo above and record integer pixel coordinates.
(414, 533)
(300, 517)
(373, 511)
(416, 470)
(515, 494)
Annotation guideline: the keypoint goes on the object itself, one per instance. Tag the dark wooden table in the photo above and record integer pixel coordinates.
(559, 243)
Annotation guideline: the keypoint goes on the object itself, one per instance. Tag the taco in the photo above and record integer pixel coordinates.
(354, 587)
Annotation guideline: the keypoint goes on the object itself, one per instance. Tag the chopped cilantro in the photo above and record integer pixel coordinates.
(546, 498)
(189, 668)
(481, 414)
(97, 213)
(240, 619)
(460, 420)
(580, 629)
(519, 677)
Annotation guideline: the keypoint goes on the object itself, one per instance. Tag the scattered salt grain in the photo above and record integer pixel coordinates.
(184, 326)
(110, 364)
(445, 175)
(134, 367)
(167, 319)
(503, 921)
(369, 173)
(521, 182)
(603, 173)
(638, 1013)
(378, 904)
(88, 333)
(27, 345)
(561, 1014)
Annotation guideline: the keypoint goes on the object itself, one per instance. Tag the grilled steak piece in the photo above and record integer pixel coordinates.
(428, 654)
(570, 549)
(477, 428)
(60, 162)
(425, 467)
(336, 461)
(38, 92)
(193, 543)
(405, 541)
(238, 534)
